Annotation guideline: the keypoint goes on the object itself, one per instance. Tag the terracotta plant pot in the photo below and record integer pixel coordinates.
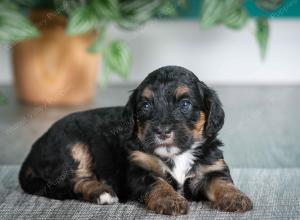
(54, 69)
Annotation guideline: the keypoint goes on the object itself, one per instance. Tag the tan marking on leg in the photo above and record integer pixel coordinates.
(181, 90)
(201, 170)
(148, 93)
(199, 127)
(163, 199)
(85, 182)
(81, 154)
(218, 165)
(226, 197)
(149, 162)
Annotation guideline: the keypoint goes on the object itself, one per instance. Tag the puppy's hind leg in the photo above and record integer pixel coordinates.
(95, 191)
(86, 185)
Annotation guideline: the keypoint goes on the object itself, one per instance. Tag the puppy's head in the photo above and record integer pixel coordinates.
(172, 111)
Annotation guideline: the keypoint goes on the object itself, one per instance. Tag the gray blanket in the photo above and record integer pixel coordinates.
(275, 194)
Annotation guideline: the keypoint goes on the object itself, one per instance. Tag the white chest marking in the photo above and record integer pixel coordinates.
(182, 164)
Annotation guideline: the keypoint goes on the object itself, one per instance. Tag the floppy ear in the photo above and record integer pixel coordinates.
(213, 108)
(129, 112)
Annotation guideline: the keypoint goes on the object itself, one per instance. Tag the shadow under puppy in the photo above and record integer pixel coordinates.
(160, 149)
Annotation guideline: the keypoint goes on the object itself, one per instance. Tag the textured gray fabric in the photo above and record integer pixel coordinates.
(275, 193)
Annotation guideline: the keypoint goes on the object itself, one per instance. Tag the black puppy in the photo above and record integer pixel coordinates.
(160, 149)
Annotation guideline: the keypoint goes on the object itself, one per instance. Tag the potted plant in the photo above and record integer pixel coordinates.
(56, 44)
(56, 49)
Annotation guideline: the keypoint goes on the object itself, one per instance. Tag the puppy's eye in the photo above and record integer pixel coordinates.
(146, 106)
(185, 105)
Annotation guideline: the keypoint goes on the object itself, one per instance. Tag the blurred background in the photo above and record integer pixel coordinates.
(58, 57)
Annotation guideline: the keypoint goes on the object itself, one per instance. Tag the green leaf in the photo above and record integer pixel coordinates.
(99, 44)
(237, 19)
(262, 35)
(229, 12)
(268, 5)
(14, 27)
(136, 12)
(211, 12)
(107, 9)
(117, 58)
(167, 9)
(81, 20)
(231, 6)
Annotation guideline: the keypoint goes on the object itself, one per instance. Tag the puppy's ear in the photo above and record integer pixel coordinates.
(129, 111)
(213, 108)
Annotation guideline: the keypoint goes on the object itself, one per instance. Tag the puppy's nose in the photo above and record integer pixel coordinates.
(163, 132)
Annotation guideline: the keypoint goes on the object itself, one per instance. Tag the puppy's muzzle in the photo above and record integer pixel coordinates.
(163, 132)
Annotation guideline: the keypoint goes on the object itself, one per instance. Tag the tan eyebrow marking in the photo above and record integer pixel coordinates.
(148, 93)
(180, 90)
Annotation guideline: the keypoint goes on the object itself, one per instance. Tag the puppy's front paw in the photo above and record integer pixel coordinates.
(172, 204)
(234, 201)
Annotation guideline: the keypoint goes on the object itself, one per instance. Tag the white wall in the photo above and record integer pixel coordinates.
(217, 56)
(5, 67)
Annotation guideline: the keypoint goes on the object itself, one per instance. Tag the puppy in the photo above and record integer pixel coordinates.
(161, 149)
